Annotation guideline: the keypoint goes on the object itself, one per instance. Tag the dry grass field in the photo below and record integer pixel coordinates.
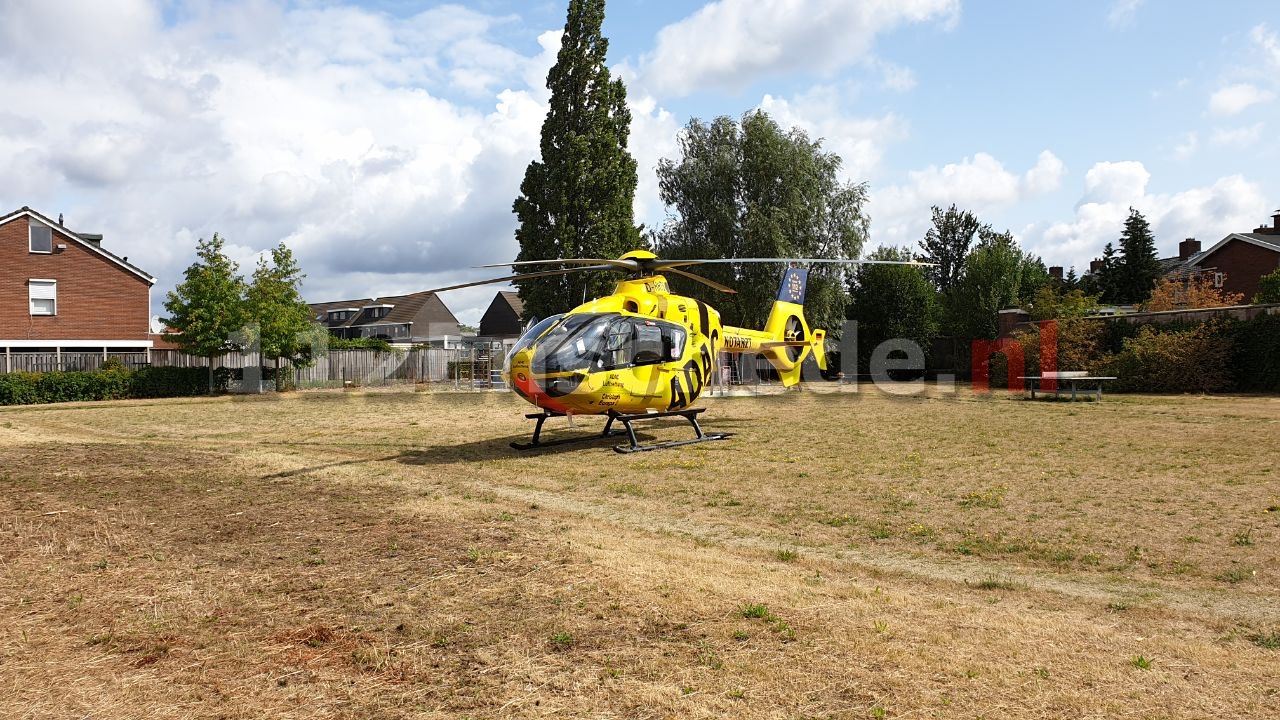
(844, 555)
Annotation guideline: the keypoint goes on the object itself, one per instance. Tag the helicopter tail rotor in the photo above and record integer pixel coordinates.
(793, 339)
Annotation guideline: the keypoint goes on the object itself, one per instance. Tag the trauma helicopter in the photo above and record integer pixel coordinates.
(644, 352)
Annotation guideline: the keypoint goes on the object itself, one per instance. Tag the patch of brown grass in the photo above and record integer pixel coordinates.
(386, 555)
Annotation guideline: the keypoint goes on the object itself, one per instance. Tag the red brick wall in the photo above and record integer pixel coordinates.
(1244, 263)
(97, 299)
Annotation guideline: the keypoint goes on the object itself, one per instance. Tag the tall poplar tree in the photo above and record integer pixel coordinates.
(577, 200)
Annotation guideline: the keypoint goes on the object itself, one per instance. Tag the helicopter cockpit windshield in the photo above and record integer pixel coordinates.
(592, 342)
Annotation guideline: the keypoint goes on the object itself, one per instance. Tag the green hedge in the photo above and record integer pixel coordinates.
(27, 388)
(1221, 355)
(1256, 354)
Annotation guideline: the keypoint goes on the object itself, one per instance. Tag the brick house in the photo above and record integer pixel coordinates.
(61, 292)
(502, 319)
(402, 320)
(1235, 263)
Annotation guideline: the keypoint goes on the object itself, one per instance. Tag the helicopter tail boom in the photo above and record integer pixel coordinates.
(787, 338)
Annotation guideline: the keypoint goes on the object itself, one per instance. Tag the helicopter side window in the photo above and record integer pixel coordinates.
(673, 342)
(649, 345)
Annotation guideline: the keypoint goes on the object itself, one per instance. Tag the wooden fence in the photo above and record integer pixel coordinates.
(471, 368)
(51, 362)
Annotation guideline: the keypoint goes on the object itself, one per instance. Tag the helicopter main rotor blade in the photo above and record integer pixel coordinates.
(704, 281)
(523, 276)
(829, 261)
(620, 264)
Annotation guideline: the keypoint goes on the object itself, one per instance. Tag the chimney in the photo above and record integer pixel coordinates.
(1055, 272)
(1187, 248)
(1096, 265)
(93, 239)
(1273, 230)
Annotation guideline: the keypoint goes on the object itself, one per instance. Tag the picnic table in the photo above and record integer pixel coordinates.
(1076, 380)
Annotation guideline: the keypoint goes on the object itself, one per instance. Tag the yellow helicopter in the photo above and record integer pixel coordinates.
(643, 352)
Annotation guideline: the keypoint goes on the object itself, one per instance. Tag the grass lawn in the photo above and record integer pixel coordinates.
(843, 555)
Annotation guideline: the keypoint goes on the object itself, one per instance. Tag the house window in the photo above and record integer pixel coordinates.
(43, 296)
(41, 238)
(1217, 280)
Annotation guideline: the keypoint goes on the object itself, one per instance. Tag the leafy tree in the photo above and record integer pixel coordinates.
(1139, 266)
(892, 301)
(749, 189)
(1196, 291)
(275, 304)
(577, 200)
(1268, 288)
(997, 274)
(947, 244)
(1057, 303)
(208, 306)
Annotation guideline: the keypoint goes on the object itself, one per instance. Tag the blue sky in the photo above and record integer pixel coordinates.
(385, 140)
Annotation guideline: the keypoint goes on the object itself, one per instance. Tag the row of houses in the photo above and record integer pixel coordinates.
(62, 291)
(1236, 263)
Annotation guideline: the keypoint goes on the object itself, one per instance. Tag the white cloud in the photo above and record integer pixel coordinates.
(654, 135)
(859, 141)
(1187, 148)
(1268, 43)
(385, 152)
(1239, 137)
(897, 78)
(980, 184)
(729, 43)
(1115, 182)
(1047, 174)
(1122, 13)
(1231, 204)
(1234, 99)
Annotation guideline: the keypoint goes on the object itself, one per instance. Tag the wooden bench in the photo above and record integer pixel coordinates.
(1079, 381)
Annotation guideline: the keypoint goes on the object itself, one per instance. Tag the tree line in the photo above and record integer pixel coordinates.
(741, 187)
(745, 187)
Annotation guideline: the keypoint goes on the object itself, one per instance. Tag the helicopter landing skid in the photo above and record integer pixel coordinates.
(690, 414)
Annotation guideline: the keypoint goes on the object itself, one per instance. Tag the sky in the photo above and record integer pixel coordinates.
(384, 141)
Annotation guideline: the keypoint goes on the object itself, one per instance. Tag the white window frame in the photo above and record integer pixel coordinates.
(50, 294)
(1217, 279)
(31, 228)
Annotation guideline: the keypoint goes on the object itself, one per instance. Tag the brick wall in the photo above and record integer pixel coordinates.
(97, 299)
(1244, 263)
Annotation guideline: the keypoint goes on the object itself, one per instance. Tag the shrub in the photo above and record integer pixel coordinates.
(376, 344)
(1081, 345)
(1268, 288)
(26, 388)
(18, 388)
(1194, 360)
(154, 382)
